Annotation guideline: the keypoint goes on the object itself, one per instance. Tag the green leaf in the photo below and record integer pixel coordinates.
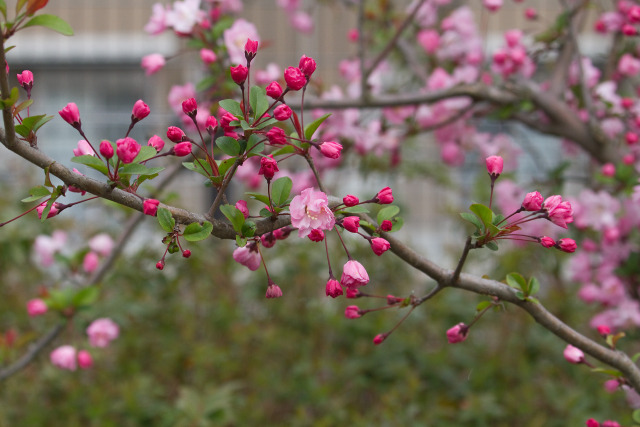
(233, 107)
(534, 286)
(165, 220)
(241, 241)
(13, 98)
(473, 219)
(280, 190)
(484, 213)
(287, 149)
(398, 222)
(203, 168)
(258, 101)
(483, 305)
(138, 169)
(607, 371)
(635, 357)
(492, 246)
(195, 232)
(355, 209)
(387, 212)
(311, 128)
(635, 415)
(515, 280)
(60, 299)
(260, 197)
(3, 8)
(146, 152)
(37, 192)
(52, 22)
(249, 229)
(225, 165)
(265, 213)
(85, 297)
(229, 146)
(22, 106)
(266, 123)
(256, 147)
(91, 161)
(234, 215)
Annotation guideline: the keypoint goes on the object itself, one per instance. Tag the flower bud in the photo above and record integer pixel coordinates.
(386, 225)
(458, 333)
(211, 125)
(333, 288)
(307, 65)
(567, 245)
(273, 291)
(70, 114)
(274, 90)
(208, 56)
(295, 78)
(533, 201)
(64, 357)
(175, 134)
(354, 275)
(106, 149)
(85, 361)
(547, 242)
(573, 354)
(282, 112)
(350, 200)
(36, 307)
(190, 107)
(140, 110)
(331, 149)
(494, 166)
(268, 167)
(186, 253)
(316, 235)
(379, 245)
(182, 149)
(384, 196)
(276, 136)
(378, 339)
(156, 142)
(127, 149)
(352, 312)
(152, 63)
(150, 207)
(239, 74)
(351, 223)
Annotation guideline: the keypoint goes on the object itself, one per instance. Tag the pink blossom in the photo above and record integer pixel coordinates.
(573, 354)
(178, 93)
(354, 275)
(182, 149)
(55, 209)
(152, 63)
(102, 331)
(301, 21)
(378, 339)
(241, 205)
(530, 13)
(85, 361)
(235, 38)
(36, 307)
(295, 78)
(268, 240)
(282, 112)
(25, 79)
(156, 142)
(592, 423)
(70, 114)
(239, 74)
(270, 73)
(310, 210)
(492, 5)
(384, 196)
(547, 242)
(268, 167)
(457, 333)
(316, 235)
(567, 245)
(533, 201)
(140, 110)
(90, 262)
(352, 312)
(64, 357)
(351, 223)
(277, 136)
(190, 107)
(84, 149)
(350, 200)
(610, 423)
(429, 40)
(274, 90)
(175, 134)
(558, 212)
(273, 291)
(184, 16)
(333, 288)
(102, 244)
(208, 56)
(604, 330)
(157, 22)
(248, 256)
(150, 207)
(127, 149)
(106, 149)
(386, 225)
(379, 245)
(307, 65)
(628, 65)
(331, 149)
(494, 165)
(46, 246)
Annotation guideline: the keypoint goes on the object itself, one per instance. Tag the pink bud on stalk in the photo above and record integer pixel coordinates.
(182, 149)
(333, 288)
(331, 149)
(85, 361)
(190, 107)
(250, 50)
(573, 354)
(71, 114)
(156, 142)
(36, 307)
(150, 207)
(273, 290)
(494, 166)
(295, 78)
(384, 196)
(127, 149)
(239, 74)
(106, 149)
(350, 200)
(274, 90)
(379, 245)
(354, 275)
(282, 112)
(268, 167)
(140, 111)
(533, 201)
(351, 223)
(458, 333)
(307, 65)
(352, 312)
(175, 134)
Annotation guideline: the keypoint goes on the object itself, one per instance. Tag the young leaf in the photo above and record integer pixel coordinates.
(311, 128)
(195, 232)
(492, 246)
(13, 98)
(258, 100)
(355, 209)
(232, 106)
(534, 286)
(387, 212)
(515, 280)
(85, 297)
(241, 241)
(146, 152)
(280, 190)
(483, 305)
(138, 169)
(165, 220)
(52, 22)
(473, 219)
(37, 192)
(484, 213)
(91, 161)
(249, 229)
(260, 197)
(234, 215)
(203, 168)
(229, 146)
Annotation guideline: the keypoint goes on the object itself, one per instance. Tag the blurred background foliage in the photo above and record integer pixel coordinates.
(200, 346)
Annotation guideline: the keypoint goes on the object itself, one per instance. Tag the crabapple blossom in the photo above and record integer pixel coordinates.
(309, 210)
(182, 149)
(385, 196)
(547, 242)
(573, 354)
(350, 200)
(331, 149)
(239, 74)
(492, 5)
(157, 21)
(273, 291)
(333, 288)
(277, 136)
(533, 201)
(316, 235)
(152, 63)
(494, 165)
(208, 56)
(354, 275)
(295, 78)
(457, 333)
(184, 16)
(64, 357)
(102, 331)
(85, 361)
(106, 149)
(83, 149)
(55, 209)
(378, 339)
(566, 245)
(268, 167)
(175, 134)
(282, 112)
(156, 142)
(36, 307)
(102, 244)
(386, 225)
(351, 223)
(248, 256)
(379, 245)
(190, 107)
(90, 262)
(70, 114)
(140, 110)
(241, 205)
(352, 312)
(127, 149)
(558, 212)
(235, 39)
(150, 207)
(274, 90)
(307, 65)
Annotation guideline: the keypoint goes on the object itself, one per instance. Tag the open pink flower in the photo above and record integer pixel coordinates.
(64, 357)
(560, 213)
(36, 307)
(102, 331)
(247, 257)
(311, 210)
(354, 275)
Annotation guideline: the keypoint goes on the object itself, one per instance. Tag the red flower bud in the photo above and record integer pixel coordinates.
(175, 134)
(140, 110)
(295, 78)
(307, 65)
(274, 90)
(239, 74)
